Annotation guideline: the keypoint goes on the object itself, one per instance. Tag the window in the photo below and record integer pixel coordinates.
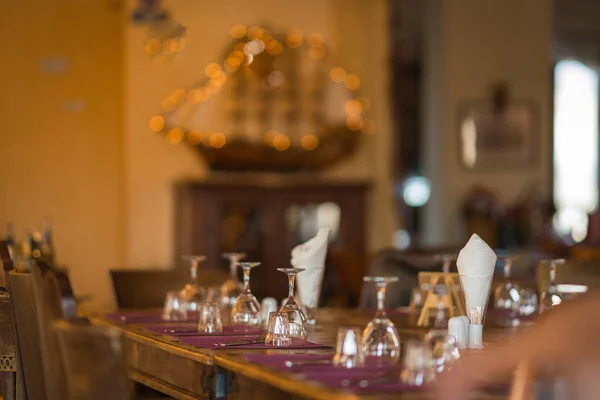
(575, 147)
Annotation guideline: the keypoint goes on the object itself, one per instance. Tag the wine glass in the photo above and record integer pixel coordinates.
(290, 306)
(192, 293)
(232, 287)
(447, 260)
(245, 313)
(551, 297)
(507, 295)
(380, 340)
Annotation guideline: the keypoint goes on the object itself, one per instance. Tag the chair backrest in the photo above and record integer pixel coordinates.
(48, 304)
(28, 334)
(94, 361)
(147, 288)
(10, 364)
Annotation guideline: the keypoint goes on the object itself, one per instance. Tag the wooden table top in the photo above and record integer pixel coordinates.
(187, 372)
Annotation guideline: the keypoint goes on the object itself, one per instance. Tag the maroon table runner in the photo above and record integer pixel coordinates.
(227, 329)
(145, 317)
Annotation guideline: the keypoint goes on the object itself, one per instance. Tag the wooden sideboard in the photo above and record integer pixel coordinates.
(262, 217)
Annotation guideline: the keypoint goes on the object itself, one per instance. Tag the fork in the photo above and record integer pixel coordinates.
(259, 339)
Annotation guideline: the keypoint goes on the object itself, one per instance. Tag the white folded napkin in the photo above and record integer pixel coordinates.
(475, 263)
(311, 257)
(477, 258)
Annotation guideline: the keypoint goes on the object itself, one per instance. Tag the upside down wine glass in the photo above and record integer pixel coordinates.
(551, 297)
(192, 293)
(297, 318)
(232, 287)
(245, 313)
(380, 340)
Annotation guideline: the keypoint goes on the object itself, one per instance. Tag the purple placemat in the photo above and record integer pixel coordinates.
(208, 342)
(227, 329)
(381, 379)
(144, 317)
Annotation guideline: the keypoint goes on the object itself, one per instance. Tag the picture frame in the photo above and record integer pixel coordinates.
(495, 139)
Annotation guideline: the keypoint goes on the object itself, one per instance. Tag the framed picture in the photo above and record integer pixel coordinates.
(498, 135)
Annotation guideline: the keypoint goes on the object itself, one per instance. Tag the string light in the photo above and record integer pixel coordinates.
(175, 135)
(281, 142)
(309, 142)
(270, 137)
(157, 123)
(353, 108)
(217, 140)
(195, 137)
(168, 104)
(294, 39)
(352, 82)
(315, 39)
(238, 31)
(212, 70)
(337, 74)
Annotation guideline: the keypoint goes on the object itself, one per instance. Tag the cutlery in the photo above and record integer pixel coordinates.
(290, 364)
(259, 339)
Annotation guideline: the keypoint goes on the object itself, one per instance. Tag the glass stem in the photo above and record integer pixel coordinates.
(552, 274)
(247, 280)
(291, 282)
(233, 270)
(507, 267)
(194, 270)
(380, 299)
(446, 266)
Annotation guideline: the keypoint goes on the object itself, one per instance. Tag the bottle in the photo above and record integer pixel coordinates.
(47, 241)
(10, 240)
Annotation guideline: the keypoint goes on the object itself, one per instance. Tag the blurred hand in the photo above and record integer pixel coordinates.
(567, 338)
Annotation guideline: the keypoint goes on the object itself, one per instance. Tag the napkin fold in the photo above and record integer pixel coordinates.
(311, 257)
(477, 258)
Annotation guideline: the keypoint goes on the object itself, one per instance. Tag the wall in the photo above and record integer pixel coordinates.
(60, 143)
(357, 31)
(470, 44)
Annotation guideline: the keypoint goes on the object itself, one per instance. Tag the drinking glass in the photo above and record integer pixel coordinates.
(245, 313)
(267, 306)
(278, 331)
(447, 260)
(417, 364)
(296, 316)
(209, 318)
(347, 351)
(528, 302)
(232, 287)
(444, 351)
(192, 293)
(380, 340)
(551, 297)
(507, 295)
(175, 307)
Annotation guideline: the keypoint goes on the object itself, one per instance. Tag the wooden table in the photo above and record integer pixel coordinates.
(186, 372)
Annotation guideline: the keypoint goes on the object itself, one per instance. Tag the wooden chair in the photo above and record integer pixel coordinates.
(37, 306)
(93, 359)
(11, 372)
(28, 334)
(136, 288)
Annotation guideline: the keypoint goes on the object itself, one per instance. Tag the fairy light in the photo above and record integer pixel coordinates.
(168, 104)
(281, 142)
(195, 137)
(238, 31)
(175, 135)
(212, 70)
(217, 140)
(352, 82)
(309, 142)
(337, 74)
(157, 123)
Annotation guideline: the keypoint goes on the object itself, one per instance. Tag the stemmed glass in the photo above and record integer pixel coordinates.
(507, 295)
(380, 340)
(447, 260)
(245, 313)
(551, 296)
(290, 306)
(232, 287)
(192, 293)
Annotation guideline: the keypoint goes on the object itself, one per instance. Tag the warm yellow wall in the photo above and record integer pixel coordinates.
(357, 31)
(66, 164)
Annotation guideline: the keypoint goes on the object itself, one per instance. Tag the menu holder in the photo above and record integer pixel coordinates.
(451, 298)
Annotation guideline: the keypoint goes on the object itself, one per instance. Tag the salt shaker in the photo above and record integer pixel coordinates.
(459, 328)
